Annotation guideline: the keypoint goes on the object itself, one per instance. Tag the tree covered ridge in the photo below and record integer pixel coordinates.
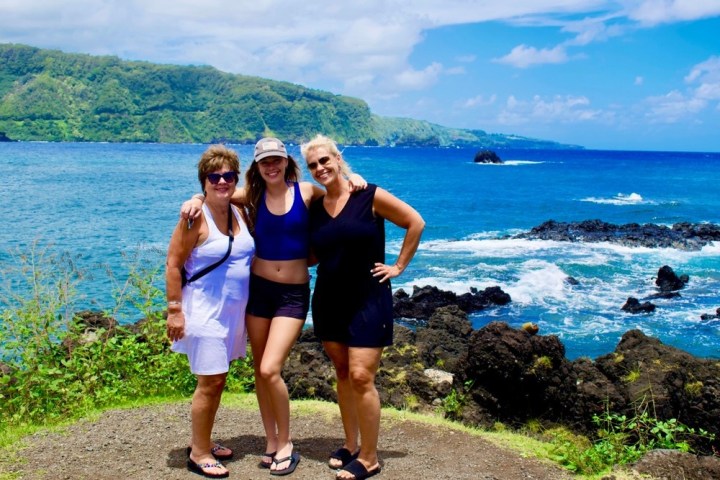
(55, 96)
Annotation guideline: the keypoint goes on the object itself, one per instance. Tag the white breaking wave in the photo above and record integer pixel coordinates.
(620, 199)
(539, 282)
(521, 162)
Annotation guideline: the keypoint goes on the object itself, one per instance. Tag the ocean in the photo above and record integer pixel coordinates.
(109, 205)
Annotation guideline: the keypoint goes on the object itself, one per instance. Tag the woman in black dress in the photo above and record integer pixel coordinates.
(352, 300)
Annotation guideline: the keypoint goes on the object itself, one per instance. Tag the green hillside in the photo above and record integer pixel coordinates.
(55, 96)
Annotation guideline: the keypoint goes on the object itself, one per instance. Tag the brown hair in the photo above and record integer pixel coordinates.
(255, 185)
(214, 158)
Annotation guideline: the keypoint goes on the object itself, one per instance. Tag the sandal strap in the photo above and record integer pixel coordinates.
(210, 465)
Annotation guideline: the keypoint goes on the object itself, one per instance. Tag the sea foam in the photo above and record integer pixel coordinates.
(619, 199)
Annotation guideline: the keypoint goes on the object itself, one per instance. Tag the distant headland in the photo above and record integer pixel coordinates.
(48, 95)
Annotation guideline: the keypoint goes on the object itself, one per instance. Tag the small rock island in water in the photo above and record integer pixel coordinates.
(487, 156)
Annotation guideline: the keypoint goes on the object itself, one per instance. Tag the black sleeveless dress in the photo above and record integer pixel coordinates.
(349, 305)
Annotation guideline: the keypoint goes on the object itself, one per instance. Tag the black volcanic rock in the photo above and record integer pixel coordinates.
(633, 305)
(673, 382)
(424, 301)
(505, 374)
(682, 236)
(445, 339)
(671, 464)
(487, 156)
(668, 281)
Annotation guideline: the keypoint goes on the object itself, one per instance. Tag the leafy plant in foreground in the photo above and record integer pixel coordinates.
(622, 439)
(58, 367)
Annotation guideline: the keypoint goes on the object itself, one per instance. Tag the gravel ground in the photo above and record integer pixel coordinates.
(149, 443)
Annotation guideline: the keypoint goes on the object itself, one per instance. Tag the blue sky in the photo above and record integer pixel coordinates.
(625, 74)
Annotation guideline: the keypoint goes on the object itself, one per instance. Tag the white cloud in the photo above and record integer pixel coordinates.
(349, 46)
(361, 48)
(703, 88)
(653, 12)
(673, 107)
(523, 56)
(418, 79)
(710, 66)
(466, 58)
(479, 101)
(454, 71)
(558, 109)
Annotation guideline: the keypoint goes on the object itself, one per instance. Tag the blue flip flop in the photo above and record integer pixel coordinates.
(294, 460)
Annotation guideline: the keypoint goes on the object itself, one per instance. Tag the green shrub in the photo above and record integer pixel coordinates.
(453, 403)
(58, 371)
(621, 439)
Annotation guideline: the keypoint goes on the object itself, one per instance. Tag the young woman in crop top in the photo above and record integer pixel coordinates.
(279, 283)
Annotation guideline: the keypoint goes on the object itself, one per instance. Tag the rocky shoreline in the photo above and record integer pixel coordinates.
(510, 375)
(682, 236)
(502, 374)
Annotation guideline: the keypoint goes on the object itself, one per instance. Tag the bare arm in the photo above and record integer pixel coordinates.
(190, 209)
(404, 216)
(355, 181)
(181, 244)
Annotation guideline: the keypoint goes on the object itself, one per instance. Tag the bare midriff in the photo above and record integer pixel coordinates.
(282, 271)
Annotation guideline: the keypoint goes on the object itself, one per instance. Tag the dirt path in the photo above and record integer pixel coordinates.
(149, 443)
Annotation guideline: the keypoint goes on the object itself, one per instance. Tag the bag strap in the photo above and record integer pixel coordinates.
(212, 267)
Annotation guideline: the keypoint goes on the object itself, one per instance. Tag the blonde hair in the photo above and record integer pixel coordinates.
(328, 143)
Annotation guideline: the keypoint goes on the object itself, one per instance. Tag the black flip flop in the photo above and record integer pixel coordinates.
(264, 464)
(343, 455)
(358, 470)
(199, 469)
(214, 449)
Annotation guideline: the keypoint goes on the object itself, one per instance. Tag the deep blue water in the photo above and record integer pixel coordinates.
(109, 204)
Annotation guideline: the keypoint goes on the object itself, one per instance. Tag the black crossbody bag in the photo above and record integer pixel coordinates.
(210, 268)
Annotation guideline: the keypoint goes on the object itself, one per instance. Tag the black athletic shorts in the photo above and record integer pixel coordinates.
(270, 299)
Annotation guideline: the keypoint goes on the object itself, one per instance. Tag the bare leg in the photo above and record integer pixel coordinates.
(338, 353)
(281, 336)
(258, 329)
(363, 364)
(205, 403)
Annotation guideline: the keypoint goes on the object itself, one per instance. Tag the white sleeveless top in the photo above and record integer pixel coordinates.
(214, 304)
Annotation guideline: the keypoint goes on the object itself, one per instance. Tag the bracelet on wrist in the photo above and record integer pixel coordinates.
(173, 302)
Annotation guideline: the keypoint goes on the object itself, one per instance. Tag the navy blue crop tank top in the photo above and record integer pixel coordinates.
(283, 237)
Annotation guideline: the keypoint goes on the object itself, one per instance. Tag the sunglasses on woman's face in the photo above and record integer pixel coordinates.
(229, 177)
(322, 161)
